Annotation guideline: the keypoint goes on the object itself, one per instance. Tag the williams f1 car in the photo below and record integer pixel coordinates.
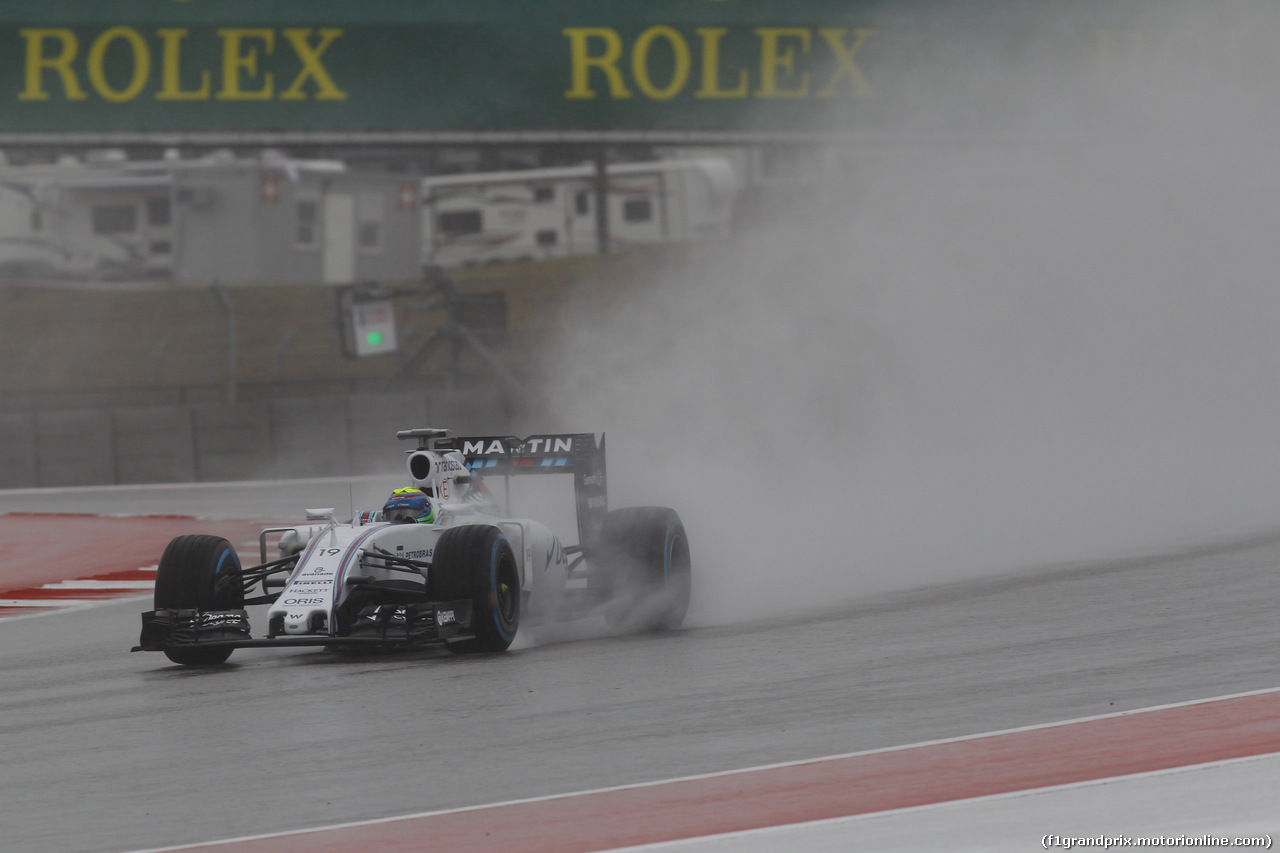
(439, 563)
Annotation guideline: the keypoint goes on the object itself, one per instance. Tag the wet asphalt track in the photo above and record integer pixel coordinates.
(109, 751)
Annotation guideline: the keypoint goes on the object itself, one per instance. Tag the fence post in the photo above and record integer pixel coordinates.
(277, 369)
(29, 362)
(230, 309)
(153, 367)
(602, 200)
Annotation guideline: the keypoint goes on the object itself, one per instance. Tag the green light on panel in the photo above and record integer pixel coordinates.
(374, 339)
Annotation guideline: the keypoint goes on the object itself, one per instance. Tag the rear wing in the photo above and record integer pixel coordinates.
(577, 454)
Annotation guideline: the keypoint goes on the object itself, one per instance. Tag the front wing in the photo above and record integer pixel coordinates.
(381, 625)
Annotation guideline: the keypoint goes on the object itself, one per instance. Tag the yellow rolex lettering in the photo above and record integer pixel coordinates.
(774, 57)
(240, 59)
(711, 37)
(141, 64)
(640, 63)
(171, 70)
(37, 63)
(311, 66)
(844, 56)
(581, 62)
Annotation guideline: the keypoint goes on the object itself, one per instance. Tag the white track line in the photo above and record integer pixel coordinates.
(903, 747)
(65, 605)
(47, 602)
(127, 589)
(95, 584)
(779, 829)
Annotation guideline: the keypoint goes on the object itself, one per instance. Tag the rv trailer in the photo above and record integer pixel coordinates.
(533, 214)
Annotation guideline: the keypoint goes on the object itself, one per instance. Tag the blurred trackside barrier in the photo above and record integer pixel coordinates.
(84, 413)
(99, 345)
(300, 437)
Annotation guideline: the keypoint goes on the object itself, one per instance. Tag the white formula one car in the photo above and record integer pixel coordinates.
(450, 568)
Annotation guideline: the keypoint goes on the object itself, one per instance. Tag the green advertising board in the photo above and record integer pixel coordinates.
(517, 69)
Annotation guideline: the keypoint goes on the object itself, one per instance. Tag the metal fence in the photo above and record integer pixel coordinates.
(290, 437)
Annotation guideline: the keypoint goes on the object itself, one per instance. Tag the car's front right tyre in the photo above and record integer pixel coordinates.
(476, 562)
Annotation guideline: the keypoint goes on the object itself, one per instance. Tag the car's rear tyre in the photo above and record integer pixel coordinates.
(197, 573)
(476, 562)
(645, 554)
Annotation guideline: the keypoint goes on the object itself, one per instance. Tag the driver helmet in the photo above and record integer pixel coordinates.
(408, 505)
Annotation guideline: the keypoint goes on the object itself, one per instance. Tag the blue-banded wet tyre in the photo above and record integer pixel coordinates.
(199, 572)
(645, 553)
(476, 562)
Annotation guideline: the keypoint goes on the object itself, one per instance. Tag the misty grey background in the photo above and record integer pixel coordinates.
(964, 354)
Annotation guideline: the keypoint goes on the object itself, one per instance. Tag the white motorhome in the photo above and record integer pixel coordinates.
(482, 218)
(97, 216)
(286, 220)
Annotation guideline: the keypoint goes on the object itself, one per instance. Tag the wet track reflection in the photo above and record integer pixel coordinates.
(152, 754)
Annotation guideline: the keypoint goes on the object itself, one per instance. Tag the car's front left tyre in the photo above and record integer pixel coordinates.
(198, 572)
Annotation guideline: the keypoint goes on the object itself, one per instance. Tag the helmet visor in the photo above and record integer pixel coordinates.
(402, 514)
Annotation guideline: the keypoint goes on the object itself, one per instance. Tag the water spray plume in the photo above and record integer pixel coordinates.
(1057, 341)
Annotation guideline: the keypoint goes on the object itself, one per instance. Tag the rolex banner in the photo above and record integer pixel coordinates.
(256, 69)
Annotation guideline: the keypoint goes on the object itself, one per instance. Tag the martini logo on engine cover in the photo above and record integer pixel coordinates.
(494, 447)
(548, 444)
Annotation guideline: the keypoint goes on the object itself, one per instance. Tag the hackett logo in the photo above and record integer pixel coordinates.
(54, 67)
